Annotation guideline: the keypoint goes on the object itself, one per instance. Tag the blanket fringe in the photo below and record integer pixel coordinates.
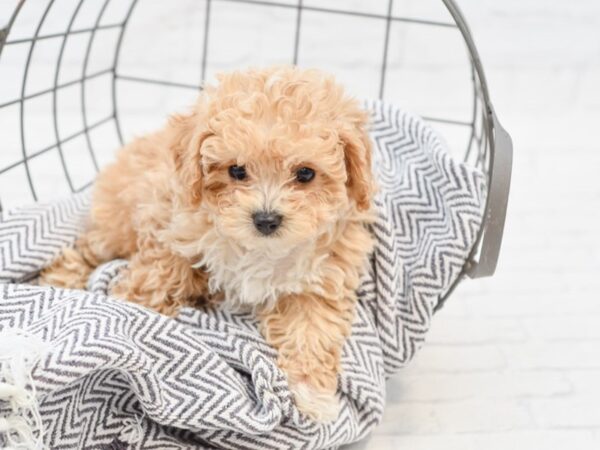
(20, 421)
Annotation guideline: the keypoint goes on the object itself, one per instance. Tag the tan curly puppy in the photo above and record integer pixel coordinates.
(258, 198)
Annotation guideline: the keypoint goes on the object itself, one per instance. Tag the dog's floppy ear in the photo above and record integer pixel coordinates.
(357, 152)
(187, 132)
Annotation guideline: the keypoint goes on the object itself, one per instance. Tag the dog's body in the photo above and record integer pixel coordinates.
(259, 198)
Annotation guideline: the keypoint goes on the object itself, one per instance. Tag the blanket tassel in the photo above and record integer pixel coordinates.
(20, 421)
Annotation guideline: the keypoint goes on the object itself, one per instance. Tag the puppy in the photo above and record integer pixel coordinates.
(258, 198)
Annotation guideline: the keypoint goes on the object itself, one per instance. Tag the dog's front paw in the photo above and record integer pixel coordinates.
(157, 300)
(119, 287)
(320, 405)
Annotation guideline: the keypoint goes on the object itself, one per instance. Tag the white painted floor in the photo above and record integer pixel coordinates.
(512, 361)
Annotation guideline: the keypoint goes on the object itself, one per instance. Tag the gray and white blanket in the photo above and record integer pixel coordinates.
(104, 373)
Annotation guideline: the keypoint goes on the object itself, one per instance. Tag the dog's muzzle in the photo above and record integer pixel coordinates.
(266, 222)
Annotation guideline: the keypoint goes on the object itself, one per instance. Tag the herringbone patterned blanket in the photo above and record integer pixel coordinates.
(111, 374)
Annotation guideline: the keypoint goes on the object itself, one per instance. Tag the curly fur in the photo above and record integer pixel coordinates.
(169, 206)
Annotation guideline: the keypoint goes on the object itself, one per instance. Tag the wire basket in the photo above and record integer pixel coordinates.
(79, 78)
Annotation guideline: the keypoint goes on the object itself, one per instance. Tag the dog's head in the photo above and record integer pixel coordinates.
(275, 156)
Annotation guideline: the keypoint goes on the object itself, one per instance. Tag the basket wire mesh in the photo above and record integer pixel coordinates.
(486, 145)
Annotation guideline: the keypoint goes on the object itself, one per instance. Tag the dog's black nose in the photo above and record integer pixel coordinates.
(266, 222)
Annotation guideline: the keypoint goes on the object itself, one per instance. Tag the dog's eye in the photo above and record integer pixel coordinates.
(305, 174)
(237, 172)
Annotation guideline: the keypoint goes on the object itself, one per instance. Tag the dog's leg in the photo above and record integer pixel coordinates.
(72, 268)
(308, 332)
(108, 236)
(161, 280)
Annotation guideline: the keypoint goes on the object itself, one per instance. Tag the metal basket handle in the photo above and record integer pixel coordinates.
(501, 153)
(499, 172)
